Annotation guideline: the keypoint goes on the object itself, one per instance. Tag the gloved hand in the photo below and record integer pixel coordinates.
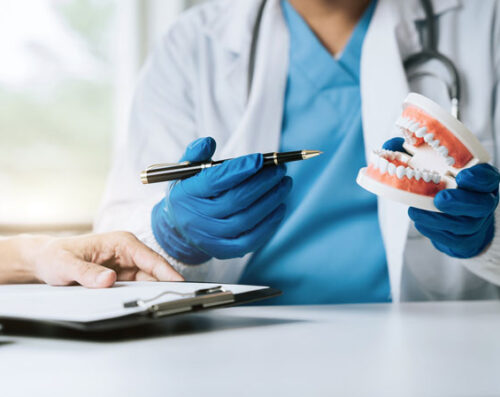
(467, 223)
(225, 211)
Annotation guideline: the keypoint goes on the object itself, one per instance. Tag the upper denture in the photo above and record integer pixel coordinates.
(426, 129)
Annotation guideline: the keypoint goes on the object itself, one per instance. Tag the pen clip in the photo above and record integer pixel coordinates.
(164, 165)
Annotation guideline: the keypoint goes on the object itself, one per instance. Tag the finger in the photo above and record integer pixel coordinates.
(247, 219)
(449, 239)
(247, 242)
(257, 237)
(394, 144)
(215, 180)
(461, 247)
(202, 149)
(126, 273)
(240, 197)
(90, 275)
(480, 178)
(459, 225)
(463, 202)
(253, 189)
(152, 263)
(143, 276)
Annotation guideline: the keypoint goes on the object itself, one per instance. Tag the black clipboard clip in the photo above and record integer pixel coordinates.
(202, 298)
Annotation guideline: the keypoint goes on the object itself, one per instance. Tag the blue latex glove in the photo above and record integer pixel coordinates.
(466, 226)
(222, 212)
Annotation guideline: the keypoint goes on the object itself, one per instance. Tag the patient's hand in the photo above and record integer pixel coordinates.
(94, 261)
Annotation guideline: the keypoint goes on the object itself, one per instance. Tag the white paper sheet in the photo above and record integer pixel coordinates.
(75, 303)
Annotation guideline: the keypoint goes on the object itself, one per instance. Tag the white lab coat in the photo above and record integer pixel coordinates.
(195, 84)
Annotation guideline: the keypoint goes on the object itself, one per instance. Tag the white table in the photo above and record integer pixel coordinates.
(418, 349)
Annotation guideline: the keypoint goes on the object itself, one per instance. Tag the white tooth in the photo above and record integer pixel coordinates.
(418, 175)
(400, 122)
(436, 178)
(400, 172)
(426, 176)
(382, 165)
(434, 143)
(421, 132)
(443, 151)
(450, 160)
(414, 126)
(410, 173)
(428, 137)
(374, 159)
(391, 168)
(401, 157)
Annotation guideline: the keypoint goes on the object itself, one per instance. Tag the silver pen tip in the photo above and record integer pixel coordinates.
(144, 177)
(307, 154)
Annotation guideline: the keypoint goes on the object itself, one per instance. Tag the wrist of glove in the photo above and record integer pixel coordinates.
(466, 224)
(225, 211)
(171, 240)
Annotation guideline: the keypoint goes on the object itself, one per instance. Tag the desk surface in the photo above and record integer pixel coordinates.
(417, 349)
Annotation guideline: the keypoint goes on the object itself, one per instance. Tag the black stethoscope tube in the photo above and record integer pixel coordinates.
(429, 52)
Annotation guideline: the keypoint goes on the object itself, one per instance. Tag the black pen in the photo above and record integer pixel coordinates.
(169, 172)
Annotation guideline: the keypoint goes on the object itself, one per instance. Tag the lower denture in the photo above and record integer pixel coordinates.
(456, 149)
(409, 185)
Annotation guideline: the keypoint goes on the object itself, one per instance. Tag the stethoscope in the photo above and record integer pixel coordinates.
(429, 52)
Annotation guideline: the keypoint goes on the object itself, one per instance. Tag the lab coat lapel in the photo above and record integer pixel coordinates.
(392, 36)
(260, 126)
(383, 81)
(232, 30)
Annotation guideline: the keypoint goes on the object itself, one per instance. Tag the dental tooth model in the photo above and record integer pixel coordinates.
(439, 147)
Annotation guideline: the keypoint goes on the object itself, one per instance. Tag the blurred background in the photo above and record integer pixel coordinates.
(67, 75)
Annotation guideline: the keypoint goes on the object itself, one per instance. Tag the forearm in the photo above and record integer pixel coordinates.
(17, 258)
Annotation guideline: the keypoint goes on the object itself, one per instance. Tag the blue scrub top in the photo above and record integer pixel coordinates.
(329, 247)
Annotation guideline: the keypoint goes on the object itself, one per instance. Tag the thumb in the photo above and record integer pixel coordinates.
(395, 145)
(479, 178)
(91, 275)
(202, 149)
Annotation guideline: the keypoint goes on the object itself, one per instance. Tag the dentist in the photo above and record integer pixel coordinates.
(326, 75)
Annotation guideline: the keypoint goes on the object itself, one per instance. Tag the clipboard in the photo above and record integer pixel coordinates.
(126, 305)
